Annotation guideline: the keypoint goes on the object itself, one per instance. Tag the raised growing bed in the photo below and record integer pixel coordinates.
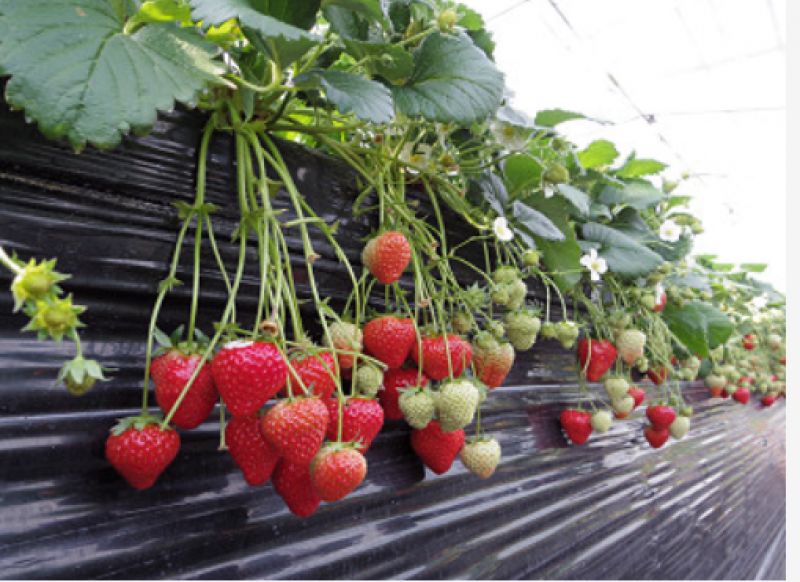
(709, 506)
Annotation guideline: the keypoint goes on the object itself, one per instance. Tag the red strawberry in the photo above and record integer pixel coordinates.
(392, 380)
(140, 451)
(434, 356)
(716, 392)
(247, 374)
(656, 436)
(315, 372)
(577, 424)
(749, 341)
(170, 372)
(620, 415)
(660, 416)
(390, 339)
(658, 375)
(296, 428)
(337, 470)
(362, 420)
(637, 394)
(783, 360)
(254, 456)
(603, 354)
(437, 449)
(387, 256)
(725, 394)
(768, 400)
(742, 395)
(293, 483)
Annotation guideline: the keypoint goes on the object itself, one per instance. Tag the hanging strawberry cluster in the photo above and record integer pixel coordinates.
(490, 232)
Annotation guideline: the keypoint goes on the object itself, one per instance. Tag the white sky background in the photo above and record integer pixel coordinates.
(700, 85)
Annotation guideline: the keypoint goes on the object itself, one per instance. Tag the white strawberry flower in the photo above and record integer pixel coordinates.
(759, 302)
(669, 231)
(596, 264)
(508, 135)
(549, 191)
(501, 229)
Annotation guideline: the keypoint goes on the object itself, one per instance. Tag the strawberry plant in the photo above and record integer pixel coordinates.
(434, 316)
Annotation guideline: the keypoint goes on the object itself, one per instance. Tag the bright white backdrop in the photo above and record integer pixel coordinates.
(698, 84)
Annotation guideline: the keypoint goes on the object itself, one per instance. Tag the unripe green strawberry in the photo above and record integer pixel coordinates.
(35, 281)
(418, 406)
(774, 341)
(557, 174)
(54, 317)
(717, 353)
(500, 294)
(669, 185)
(457, 403)
(567, 332)
(630, 345)
(686, 411)
(642, 364)
(616, 387)
(522, 328)
(679, 427)
(517, 292)
(505, 274)
(481, 456)
(369, 379)
(496, 328)
(716, 381)
(693, 363)
(623, 405)
(602, 420)
(648, 301)
(447, 20)
(531, 258)
(463, 322)
(549, 330)
(619, 320)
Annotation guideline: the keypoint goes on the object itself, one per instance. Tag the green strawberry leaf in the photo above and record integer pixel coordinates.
(637, 168)
(578, 198)
(453, 80)
(521, 171)
(392, 62)
(753, 267)
(700, 327)
(598, 154)
(351, 93)
(78, 74)
(368, 8)
(493, 191)
(552, 117)
(624, 255)
(639, 194)
(562, 258)
(534, 222)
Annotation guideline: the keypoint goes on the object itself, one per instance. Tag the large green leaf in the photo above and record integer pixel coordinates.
(280, 40)
(562, 258)
(301, 14)
(392, 62)
(521, 171)
(78, 75)
(369, 8)
(598, 154)
(351, 93)
(453, 80)
(493, 192)
(624, 255)
(699, 326)
(578, 198)
(534, 222)
(552, 117)
(639, 194)
(636, 168)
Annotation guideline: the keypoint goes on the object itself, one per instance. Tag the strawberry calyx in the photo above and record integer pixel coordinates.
(139, 422)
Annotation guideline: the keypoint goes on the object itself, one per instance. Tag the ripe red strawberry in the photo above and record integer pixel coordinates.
(493, 360)
(768, 400)
(656, 436)
(434, 356)
(725, 394)
(660, 416)
(337, 470)
(247, 374)
(661, 300)
(389, 396)
(140, 451)
(387, 256)
(749, 341)
(603, 354)
(637, 394)
(255, 457)
(435, 448)
(296, 428)
(170, 372)
(315, 371)
(658, 375)
(390, 339)
(293, 483)
(577, 424)
(362, 420)
(742, 395)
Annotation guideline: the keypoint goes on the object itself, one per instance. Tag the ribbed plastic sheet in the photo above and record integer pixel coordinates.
(710, 506)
